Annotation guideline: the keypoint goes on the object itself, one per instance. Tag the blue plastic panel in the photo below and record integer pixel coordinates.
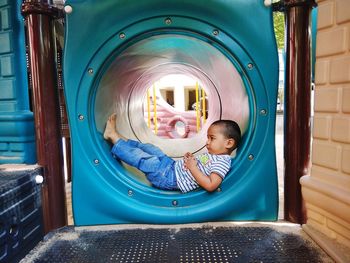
(17, 134)
(103, 191)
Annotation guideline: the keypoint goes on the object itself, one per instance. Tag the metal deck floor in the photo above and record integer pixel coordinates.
(180, 244)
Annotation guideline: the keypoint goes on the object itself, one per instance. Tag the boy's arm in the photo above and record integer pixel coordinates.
(209, 183)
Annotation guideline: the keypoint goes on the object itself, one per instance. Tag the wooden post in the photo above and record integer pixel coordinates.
(39, 16)
(297, 106)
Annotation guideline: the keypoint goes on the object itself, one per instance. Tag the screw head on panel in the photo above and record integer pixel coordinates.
(250, 66)
(251, 157)
(215, 32)
(81, 117)
(175, 203)
(68, 9)
(96, 161)
(168, 21)
(91, 71)
(122, 35)
(263, 112)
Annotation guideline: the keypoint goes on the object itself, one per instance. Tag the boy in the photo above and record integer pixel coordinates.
(206, 170)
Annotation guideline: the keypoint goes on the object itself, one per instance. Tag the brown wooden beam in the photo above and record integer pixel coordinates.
(297, 105)
(39, 16)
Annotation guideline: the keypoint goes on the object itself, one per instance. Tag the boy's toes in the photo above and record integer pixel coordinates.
(110, 132)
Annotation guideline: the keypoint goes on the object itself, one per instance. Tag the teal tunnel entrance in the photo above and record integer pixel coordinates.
(111, 59)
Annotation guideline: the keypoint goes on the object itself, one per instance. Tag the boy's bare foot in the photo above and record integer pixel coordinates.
(110, 133)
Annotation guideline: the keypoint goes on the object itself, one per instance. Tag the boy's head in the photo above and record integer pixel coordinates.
(223, 137)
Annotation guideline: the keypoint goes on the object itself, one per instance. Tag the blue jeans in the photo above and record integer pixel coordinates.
(158, 167)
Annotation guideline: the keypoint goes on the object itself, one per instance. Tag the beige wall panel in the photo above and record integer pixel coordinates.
(326, 203)
(341, 129)
(321, 228)
(332, 177)
(328, 215)
(328, 198)
(319, 218)
(322, 126)
(346, 98)
(339, 229)
(345, 162)
(343, 240)
(327, 99)
(340, 69)
(342, 11)
(323, 47)
(325, 15)
(321, 71)
(348, 26)
(327, 190)
(326, 154)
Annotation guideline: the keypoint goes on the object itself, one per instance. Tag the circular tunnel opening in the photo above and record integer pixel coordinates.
(175, 107)
(131, 73)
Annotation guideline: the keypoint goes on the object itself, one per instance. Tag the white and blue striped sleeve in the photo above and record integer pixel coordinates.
(221, 166)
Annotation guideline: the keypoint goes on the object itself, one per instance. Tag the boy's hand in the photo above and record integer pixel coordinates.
(209, 183)
(190, 161)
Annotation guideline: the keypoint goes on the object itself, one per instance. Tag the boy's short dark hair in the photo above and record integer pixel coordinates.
(230, 130)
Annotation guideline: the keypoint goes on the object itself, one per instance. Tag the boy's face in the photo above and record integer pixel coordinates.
(217, 143)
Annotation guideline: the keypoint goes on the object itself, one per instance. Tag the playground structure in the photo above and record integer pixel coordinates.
(112, 74)
(294, 34)
(17, 134)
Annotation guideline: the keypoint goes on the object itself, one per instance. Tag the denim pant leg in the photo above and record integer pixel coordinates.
(149, 159)
(127, 151)
(148, 148)
(165, 177)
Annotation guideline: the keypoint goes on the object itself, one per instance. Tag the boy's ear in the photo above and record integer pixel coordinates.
(230, 143)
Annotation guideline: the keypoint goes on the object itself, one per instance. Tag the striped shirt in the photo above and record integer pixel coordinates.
(207, 164)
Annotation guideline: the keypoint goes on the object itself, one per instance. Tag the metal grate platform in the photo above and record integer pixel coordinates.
(21, 224)
(206, 244)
